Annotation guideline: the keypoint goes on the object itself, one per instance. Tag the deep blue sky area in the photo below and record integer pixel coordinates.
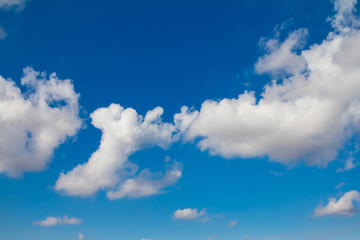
(169, 53)
(186, 51)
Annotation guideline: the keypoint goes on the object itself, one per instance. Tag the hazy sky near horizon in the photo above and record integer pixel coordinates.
(172, 120)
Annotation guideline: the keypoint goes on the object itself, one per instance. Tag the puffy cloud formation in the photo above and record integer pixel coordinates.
(343, 206)
(52, 221)
(190, 214)
(123, 133)
(34, 123)
(304, 117)
(9, 4)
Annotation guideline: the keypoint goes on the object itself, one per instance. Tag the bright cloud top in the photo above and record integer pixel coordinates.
(304, 117)
(190, 214)
(123, 133)
(52, 221)
(34, 123)
(343, 206)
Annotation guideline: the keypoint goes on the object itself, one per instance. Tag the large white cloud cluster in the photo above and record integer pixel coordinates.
(34, 123)
(123, 133)
(305, 117)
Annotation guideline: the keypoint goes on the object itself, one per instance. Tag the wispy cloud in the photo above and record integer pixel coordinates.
(349, 164)
(233, 223)
(276, 173)
(12, 4)
(191, 214)
(52, 221)
(340, 185)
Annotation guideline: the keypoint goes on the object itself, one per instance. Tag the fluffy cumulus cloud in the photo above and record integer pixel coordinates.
(52, 221)
(34, 123)
(124, 132)
(10, 4)
(303, 117)
(343, 206)
(191, 214)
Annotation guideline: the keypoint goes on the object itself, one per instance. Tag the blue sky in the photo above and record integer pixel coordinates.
(172, 120)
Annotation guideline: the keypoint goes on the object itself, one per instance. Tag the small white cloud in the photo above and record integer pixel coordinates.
(340, 185)
(233, 223)
(146, 239)
(349, 164)
(343, 206)
(52, 221)
(191, 214)
(81, 236)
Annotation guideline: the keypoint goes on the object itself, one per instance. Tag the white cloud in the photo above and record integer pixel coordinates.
(81, 236)
(349, 164)
(343, 206)
(34, 123)
(145, 183)
(232, 223)
(10, 4)
(339, 185)
(191, 214)
(281, 57)
(52, 221)
(3, 34)
(305, 117)
(123, 133)
(344, 20)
